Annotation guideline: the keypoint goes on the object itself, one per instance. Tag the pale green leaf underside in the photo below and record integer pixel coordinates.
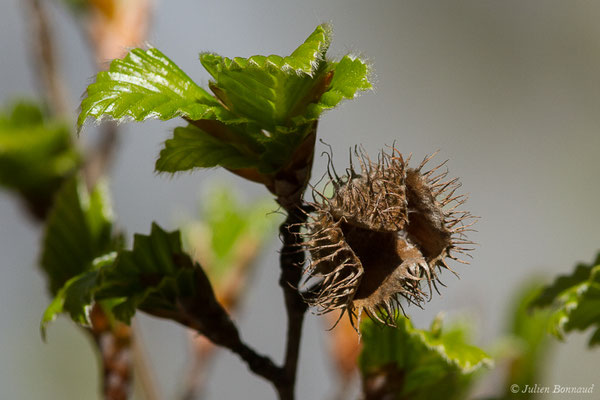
(431, 362)
(190, 147)
(77, 295)
(147, 84)
(75, 298)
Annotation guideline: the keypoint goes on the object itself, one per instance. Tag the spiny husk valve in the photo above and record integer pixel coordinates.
(385, 231)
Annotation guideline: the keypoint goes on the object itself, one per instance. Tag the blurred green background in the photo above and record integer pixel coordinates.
(509, 91)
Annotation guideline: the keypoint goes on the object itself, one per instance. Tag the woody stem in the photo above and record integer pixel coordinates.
(291, 262)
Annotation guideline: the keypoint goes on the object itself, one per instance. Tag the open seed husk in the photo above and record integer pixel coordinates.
(383, 236)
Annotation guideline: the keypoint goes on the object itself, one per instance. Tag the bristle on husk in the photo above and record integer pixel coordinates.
(385, 232)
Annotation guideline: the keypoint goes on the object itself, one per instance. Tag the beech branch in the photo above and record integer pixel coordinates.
(291, 263)
(113, 342)
(44, 53)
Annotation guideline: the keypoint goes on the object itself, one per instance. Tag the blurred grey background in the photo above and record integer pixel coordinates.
(509, 91)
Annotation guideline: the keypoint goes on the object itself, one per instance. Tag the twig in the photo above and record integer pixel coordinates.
(203, 313)
(229, 291)
(210, 319)
(44, 54)
(114, 343)
(291, 262)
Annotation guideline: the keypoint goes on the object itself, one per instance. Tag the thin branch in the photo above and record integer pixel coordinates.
(230, 291)
(291, 262)
(208, 317)
(203, 313)
(114, 343)
(45, 58)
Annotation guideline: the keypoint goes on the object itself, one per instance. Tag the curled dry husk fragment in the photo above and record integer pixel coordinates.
(385, 231)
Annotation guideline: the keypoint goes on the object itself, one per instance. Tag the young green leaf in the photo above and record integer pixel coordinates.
(191, 147)
(415, 364)
(147, 84)
(138, 273)
(350, 76)
(36, 154)
(283, 97)
(268, 89)
(263, 108)
(575, 301)
(156, 277)
(78, 229)
(77, 295)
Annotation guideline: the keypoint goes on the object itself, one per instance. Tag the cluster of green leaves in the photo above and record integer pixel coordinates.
(261, 109)
(575, 301)
(415, 364)
(36, 153)
(87, 263)
(154, 276)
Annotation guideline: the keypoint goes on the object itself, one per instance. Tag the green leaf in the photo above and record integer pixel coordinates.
(147, 84)
(35, 153)
(77, 295)
(78, 229)
(549, 294)
(281, 97)
(191, 147)
(417, 364)
(575, 302)
(154, 276)
(263, 109)
(267, 89)
(350, 76)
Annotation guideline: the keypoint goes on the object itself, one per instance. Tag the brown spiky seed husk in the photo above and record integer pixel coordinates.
(385, 230)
